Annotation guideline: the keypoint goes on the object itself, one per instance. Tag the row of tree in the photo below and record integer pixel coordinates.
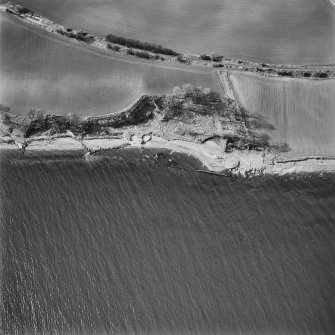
(131, 43)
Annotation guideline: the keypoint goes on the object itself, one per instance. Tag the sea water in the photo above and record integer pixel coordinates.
(141, 243)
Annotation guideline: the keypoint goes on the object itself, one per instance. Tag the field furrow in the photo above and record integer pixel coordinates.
(300, 113)
(42, 71)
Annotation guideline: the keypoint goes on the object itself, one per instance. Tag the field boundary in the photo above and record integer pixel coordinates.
(313, 72)
(230, 92)
(103, 53)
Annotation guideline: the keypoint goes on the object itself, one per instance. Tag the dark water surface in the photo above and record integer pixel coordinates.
(126, 247)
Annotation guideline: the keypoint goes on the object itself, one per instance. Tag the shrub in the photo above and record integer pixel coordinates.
(197, 95)
(320, 75)
(116, 48)
(5, 119)
(217, 65)
(84, 37)
(173, 108)
(131, 43)
(181, 59)
(23, 10)
(205, 57)
(217, 58)
(130, 52)
(61, 32)
(143, 54)
(307, 74)
(285, 73)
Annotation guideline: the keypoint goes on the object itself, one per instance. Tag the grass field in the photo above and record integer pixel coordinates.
(39, 71)
(301, 111)
(279, 31)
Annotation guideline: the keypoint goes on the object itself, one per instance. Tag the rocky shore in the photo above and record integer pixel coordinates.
(193, 121)
(313, 72)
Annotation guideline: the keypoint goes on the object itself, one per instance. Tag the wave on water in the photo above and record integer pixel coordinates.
(127, 244)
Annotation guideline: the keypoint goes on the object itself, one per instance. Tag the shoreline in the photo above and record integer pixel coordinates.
(306, 71)
(242, 163)
(142, 125)
(212, 147)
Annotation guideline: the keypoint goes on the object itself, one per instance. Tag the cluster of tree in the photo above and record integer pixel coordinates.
(181, 59)
(320, 75)
(285, 73)
(188, 99)
(5, 116)
(19, 10)
(131, 43)
(116, 48)
(37, 120)
(306, 74)
(78, 35)
(198, 95)
(141, 54)
(247, 141)
(213, 58)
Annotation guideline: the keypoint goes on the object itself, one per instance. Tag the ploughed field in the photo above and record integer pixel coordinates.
(297, 112)
(41, 71)
(277, 31)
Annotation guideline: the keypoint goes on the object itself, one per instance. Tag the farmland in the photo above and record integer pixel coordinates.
(297, 112)
(285, 31)
(40, 71)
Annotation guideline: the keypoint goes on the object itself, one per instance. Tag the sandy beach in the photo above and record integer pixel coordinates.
(239, 162)
(65, 143)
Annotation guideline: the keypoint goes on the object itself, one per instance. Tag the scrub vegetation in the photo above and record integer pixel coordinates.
(189, 113)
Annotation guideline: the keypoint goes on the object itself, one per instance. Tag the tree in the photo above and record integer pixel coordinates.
(205, 57)
(173, 107)
(5, 119)
(35, 115)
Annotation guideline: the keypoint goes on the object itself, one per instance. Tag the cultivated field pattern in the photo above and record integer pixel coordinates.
(301, 111)
(41, 71)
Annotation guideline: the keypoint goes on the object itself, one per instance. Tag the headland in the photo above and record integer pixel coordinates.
(198, 122)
